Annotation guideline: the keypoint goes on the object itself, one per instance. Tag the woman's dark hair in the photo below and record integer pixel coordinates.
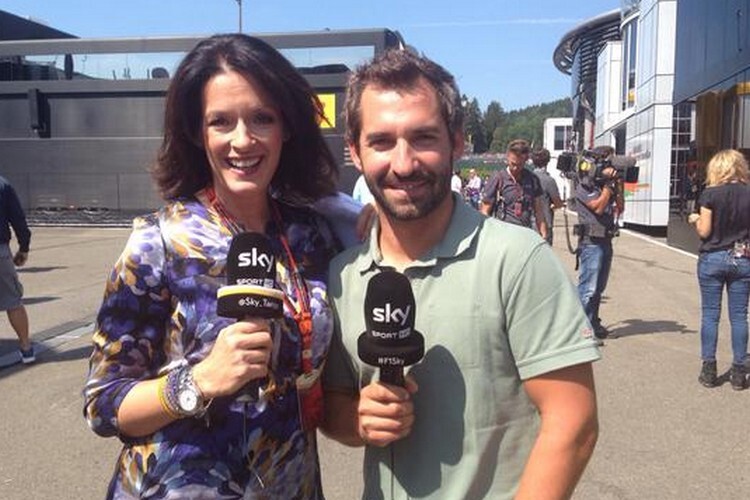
(307, 169)
(401, 70)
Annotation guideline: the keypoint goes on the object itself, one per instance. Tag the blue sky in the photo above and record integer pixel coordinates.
(498, 49)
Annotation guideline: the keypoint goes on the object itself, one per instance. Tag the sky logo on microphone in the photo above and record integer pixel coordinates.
(389, 314)
(255, 258)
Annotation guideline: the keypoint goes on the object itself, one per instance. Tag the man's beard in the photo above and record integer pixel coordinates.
(415, 209)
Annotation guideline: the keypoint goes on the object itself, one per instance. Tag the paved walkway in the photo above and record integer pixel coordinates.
(663, 436)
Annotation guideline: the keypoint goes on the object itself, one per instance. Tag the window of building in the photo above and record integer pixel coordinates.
(150, 65)
(683, 186)
(563, 137)
(629, 51)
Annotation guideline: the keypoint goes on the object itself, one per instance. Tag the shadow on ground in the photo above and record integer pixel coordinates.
(37, 300)
(70, 355)
(653, 264)
(629, 327)
(34, 270)
(12, 364)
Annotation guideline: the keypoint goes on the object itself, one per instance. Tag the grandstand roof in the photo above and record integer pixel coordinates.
(589, 37)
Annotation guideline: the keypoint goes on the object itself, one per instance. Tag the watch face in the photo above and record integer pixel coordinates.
(188, 400)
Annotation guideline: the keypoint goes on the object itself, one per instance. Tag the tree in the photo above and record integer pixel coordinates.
(493, 118)
(527, 123)
(474, 130)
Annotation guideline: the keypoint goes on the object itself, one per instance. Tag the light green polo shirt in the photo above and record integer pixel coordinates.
(495, 307)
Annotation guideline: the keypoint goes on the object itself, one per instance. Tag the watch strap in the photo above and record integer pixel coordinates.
(172, 384)
(167, 398)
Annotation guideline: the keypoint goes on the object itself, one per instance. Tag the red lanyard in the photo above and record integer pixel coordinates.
(301, 313)
(302, 316)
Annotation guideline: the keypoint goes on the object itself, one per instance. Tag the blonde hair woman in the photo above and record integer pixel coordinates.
(723, 225)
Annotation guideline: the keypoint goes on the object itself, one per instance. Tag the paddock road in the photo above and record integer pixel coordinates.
(663, 436)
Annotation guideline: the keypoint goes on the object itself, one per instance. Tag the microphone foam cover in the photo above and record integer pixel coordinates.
(251, 280)
(390, 338)
(622, 162)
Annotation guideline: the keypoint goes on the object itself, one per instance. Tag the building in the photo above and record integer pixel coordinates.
(711, 100)
(82, 118)
(13, 27)
(622, 67)
(558, 137)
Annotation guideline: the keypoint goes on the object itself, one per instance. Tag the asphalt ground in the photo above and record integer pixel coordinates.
(663, 436)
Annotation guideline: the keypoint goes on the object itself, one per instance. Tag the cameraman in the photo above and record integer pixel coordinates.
(599, 203)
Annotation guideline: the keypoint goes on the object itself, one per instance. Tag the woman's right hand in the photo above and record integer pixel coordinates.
(240, 354)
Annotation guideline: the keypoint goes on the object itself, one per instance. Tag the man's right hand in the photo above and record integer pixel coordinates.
(386, 412)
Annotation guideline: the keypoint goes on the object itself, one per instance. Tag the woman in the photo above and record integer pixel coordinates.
(723, 225)
(242, 151)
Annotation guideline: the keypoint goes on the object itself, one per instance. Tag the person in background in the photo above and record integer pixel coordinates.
(551, 194)
(473, 188)
(242, 152)
(457, 184)
(11, 290)
(723, 225)
(514, 194)
(503, 404)
(361, 193)
(598, 203)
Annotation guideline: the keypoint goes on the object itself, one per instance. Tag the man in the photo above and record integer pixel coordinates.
(514, 194)
(11, 291)
(473, 188)
(456, 182)
(550, 193)
(598, 202)
(502, 405)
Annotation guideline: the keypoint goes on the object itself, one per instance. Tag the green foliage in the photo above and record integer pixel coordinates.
(495, 128)
(474, 130)
(493, 119)
(484, 170)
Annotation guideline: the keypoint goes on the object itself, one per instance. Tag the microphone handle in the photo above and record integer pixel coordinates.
(393, 375)
(250, 392)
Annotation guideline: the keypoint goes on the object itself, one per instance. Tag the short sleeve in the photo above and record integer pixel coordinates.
(585, 194)
(490, 188)
(547, 326)
(130, 327)
(552, 189)
(537, 186)
(340, 372)
(707, 198)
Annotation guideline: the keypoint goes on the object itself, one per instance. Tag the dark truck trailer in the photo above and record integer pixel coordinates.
(81, 119)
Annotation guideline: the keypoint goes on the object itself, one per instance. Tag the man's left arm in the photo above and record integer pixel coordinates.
(541, 223)
(566, 401)
(554, 195)
(17, 220)
(539, 201)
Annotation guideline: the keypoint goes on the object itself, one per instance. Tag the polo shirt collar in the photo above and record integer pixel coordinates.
(462, 229)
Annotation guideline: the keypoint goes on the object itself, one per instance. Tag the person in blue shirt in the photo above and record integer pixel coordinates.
(11, 291)
(361, 192)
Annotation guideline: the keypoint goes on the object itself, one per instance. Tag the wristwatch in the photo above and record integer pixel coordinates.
(189, 399)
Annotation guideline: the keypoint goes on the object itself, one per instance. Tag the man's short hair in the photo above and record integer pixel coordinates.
(540, 157)
(401, 70)
(603, 151)
(519, 146)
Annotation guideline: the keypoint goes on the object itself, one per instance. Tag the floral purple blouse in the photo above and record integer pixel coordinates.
(158, 312)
